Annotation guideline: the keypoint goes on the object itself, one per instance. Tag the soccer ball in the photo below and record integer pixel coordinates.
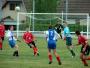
(17, 8)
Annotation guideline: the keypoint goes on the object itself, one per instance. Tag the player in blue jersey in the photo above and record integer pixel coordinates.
(51, 36)
(68, 38)
(12, 40)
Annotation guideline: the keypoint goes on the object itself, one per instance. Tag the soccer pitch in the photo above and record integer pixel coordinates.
(27, 60)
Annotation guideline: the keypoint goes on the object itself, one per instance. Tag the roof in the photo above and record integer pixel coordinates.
(14, 0)
(74, 6)
(8, 1)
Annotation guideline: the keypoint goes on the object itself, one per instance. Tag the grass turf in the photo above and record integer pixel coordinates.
(27, 60)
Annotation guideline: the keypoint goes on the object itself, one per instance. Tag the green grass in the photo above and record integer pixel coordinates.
(27, 60)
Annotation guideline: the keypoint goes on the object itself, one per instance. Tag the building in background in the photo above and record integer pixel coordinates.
(8, 9)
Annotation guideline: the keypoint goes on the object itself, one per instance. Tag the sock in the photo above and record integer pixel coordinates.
(0, 45)
(84, 62)
(72, 52)
(58, 58)
(35, 50)
(14, 53)
(61, 36)
(17, 53)
(88, 58)
(50, 57)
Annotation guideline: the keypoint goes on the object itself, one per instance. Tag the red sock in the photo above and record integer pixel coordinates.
(88, 58)
(35, 50)
(50, 57)
(58, 58)
(84, 62)
(0, 45)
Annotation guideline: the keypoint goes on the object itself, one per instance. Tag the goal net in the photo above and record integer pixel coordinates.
(37, 23)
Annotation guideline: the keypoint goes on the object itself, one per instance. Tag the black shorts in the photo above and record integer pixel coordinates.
(2, 38)
(32, 43)
(86, 52)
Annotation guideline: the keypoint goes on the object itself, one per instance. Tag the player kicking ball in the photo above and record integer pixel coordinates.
(12, 41)
(51, 40)
(84, 49)
(29, 39)
(67, 37)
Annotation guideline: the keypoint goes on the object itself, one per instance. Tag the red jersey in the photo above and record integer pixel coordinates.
(82, 40)
(28, 37)
(2, 30)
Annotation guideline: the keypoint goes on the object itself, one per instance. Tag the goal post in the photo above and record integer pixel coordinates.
(39, 22)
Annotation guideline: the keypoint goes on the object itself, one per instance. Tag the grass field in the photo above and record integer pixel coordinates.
(27, 60)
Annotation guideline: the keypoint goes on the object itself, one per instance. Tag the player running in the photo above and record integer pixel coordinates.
(2, 34)
(12, 41)
(67, 37)
(84, 49)
(30, 40)
(51, 36)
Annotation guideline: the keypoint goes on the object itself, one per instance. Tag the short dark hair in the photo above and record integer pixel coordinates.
(50, 27)
(77, 32)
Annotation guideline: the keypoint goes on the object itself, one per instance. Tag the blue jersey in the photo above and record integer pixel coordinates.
(51, 38)
(51, 34)
(67, 32)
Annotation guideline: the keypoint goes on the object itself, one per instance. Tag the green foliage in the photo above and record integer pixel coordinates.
(45, 6)
(74, 27)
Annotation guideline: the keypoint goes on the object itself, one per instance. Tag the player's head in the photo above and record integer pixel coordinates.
(2, 22)
(77, 33)
(27, 29)
(65, 24)
(11, 28)
(50, 27)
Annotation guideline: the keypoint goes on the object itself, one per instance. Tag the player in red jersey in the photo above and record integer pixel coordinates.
(2, 30)
(84, 49)
(30, 40)
(2, 34)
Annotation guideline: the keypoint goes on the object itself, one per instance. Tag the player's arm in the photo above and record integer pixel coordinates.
(34, 38)
(46, 34)
(77, 44)
(64, 34)
(85, 45)
(24, 39)
(15, 37)
(57, 35)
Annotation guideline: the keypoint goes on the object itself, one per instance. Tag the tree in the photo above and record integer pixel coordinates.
(45, 6)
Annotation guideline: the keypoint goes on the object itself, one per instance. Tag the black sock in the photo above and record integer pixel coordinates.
(72, 52)
(17, 53)
(14, 53)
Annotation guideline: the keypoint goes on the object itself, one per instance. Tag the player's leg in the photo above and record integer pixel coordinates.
(16, 50)
(82, 57)
(35, 49)
(13, 45)
(86, 53)
(60, 35)
(0, 43)
(69, 45)
(57, 56)
(71, 50)
(49, 55)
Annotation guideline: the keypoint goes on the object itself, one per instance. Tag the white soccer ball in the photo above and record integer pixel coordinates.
(17, 8)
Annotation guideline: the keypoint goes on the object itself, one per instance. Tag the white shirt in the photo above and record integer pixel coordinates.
(10, 35)
(56, 36)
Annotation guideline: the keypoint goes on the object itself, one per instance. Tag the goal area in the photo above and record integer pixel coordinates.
(37, 23)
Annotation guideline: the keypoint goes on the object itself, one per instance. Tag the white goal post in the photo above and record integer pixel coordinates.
(71, 19)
